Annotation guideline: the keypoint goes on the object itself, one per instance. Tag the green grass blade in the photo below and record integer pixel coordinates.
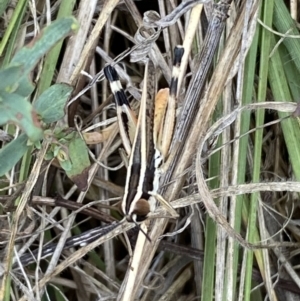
(249, 75)
(211, 235)
(290, 127)
(267, 16)
(284, 23)
(12, 39)
(16, 16)
(51, 59)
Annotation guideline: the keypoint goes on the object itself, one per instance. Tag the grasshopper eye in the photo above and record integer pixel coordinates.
(139, 212)
(141, 207)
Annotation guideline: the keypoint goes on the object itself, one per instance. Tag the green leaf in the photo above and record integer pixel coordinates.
(12, 152)
(50, 105)
(79, 157)
(56, 149)
(29, 55)
(66, 165)
(9, 78)
(14, 80)
(16, 109)
(32, 53)
(3, 6)
(25, 86)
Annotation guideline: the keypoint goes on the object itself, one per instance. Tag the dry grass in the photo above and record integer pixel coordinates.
(232, 171)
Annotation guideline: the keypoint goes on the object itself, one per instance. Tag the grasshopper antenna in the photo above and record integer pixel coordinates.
(140, 229)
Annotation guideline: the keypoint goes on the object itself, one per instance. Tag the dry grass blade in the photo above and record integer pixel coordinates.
(79, 254)
(91, 43)
(210, 100)
(20, 209)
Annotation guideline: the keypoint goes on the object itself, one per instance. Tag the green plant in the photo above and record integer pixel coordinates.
(16, 90)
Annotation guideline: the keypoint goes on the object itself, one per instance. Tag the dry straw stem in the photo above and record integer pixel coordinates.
(79, 254)
(53, 269)
(19, 211)
(75, 45)
(213, 93)
(236, 190)
(90, 46)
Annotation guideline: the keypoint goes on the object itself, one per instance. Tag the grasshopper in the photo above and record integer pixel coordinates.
(146, 140)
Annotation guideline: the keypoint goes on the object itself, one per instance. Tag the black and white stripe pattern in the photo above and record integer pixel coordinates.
(79, 240)
(135, 205)
(178, 54)
(142, 175)
(126, 117)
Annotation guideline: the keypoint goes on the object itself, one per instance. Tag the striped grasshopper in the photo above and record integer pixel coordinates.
(146, 141)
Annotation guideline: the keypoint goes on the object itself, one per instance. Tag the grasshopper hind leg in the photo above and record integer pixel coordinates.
(164, 122)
